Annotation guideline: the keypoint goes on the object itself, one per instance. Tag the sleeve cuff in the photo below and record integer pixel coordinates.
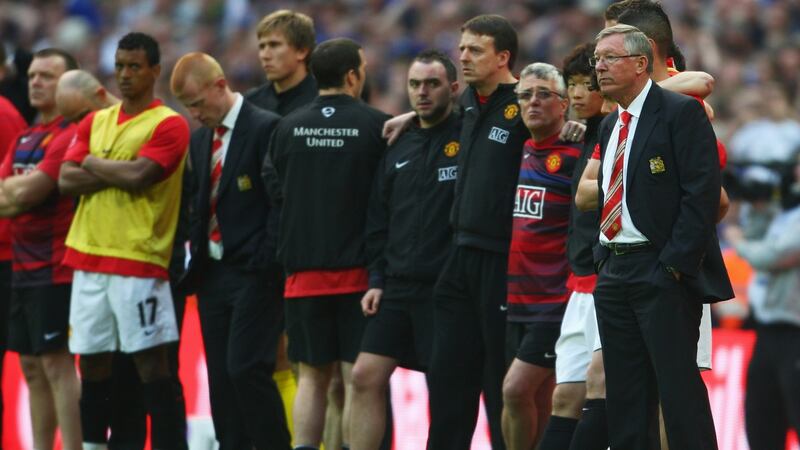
(376, 280)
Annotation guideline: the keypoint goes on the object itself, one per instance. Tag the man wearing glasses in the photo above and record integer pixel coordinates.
(658, 255)
(537, 262)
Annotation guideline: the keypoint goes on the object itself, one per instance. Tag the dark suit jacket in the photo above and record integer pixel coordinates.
(244, 211)
(673, 188)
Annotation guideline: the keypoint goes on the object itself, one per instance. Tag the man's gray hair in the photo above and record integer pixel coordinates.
(636, 42)
(544, 71)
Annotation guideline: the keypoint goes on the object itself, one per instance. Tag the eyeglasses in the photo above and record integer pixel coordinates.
(608, 59)
(542, 95)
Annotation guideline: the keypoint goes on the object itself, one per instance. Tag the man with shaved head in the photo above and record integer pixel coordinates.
(79, 93)
(233, 248)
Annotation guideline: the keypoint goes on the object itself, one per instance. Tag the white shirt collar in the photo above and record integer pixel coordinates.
(233, 114)
(635, 108)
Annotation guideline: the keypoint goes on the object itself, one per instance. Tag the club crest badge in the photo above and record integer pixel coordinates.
(328, 111)
(244, 183)
(511, 111)
(451, 149)
(657, 165)
(553, 162)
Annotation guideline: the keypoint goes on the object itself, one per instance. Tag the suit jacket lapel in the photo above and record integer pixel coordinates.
(234, 153)
(644, 127)
(606, 126)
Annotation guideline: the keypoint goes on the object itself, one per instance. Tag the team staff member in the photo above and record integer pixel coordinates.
(537, 262)
(233, 254)
(658, 253)
(11, 123)
(578, 374)
(285, 42)
(471, 290)
(126, 164)
(321, 163)
(408, 237)
(651, 19)
(40, 219)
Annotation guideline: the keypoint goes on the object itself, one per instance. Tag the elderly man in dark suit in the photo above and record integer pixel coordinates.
(658, 254)
(233, 251)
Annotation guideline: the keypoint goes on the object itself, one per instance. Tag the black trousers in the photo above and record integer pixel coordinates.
(468, 349)
(772, 396)
(241, 316)
(649, 329)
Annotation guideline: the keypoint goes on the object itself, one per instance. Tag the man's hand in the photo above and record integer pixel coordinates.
(572, 131)
(394, 127)
(371, 301)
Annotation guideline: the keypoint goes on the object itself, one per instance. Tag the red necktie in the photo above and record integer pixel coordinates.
(216, 174)
(611, 220)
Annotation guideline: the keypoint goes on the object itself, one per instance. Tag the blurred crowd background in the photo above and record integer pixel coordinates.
(751, 47)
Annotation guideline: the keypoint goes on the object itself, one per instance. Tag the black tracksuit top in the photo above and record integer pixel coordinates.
(284, 103)
(408, 232)
(583, 226)
(321, 163)
(492, 136)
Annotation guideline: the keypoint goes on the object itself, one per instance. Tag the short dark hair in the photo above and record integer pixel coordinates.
(69, 61)
(498, 28)
(577, 63)
(677, 57)
(433, 55)
(332, 60)
(141, 41)
(651, 19)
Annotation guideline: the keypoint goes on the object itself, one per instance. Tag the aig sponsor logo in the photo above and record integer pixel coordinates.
(498, 135)
(448, 173)
(529, 202)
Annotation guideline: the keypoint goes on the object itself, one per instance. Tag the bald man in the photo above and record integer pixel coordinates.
(233, 248)
(79, 93)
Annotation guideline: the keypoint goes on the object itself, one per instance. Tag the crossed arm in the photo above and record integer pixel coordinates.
(95, 174)
(19, 193)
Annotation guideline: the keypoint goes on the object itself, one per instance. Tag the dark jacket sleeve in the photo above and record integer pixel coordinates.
(694, 144)
(189, 226)
(266, 258)
(377, 227)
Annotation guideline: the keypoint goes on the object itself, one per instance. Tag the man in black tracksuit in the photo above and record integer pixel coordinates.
(408, 239)
(320, 170)
(470, 294)
(285, 41)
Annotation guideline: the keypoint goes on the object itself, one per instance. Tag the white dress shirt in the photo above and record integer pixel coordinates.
(628, 234)
(216, 249)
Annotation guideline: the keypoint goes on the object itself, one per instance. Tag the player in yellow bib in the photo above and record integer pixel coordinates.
(126, 164)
